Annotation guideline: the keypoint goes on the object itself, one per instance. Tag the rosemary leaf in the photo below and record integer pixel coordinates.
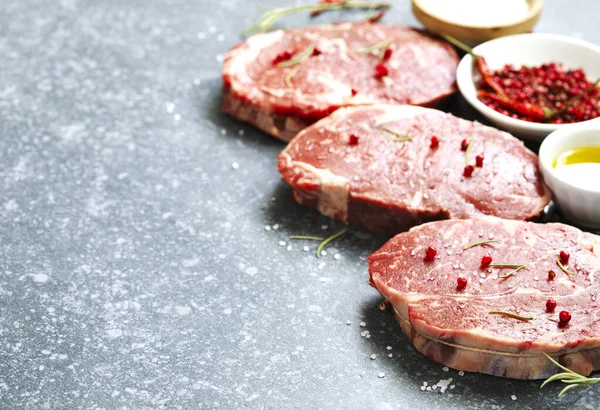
(471, 245)
(307, 238)
(288, 77)
(401, 137)
(513, 315)
(379, 46)
(468, 151)
(330, 239)
(564, 269)
(308, 51)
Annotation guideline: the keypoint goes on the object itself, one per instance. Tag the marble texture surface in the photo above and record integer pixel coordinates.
(144, 251)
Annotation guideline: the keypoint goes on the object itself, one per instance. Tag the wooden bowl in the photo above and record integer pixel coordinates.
(474, 34)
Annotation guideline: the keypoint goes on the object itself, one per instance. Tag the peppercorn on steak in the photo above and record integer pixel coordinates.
(389, 167)
(285, 80)
(492, 295)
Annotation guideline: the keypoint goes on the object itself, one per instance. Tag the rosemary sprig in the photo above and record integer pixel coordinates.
(571, 378)
(381, 46)
(271, 16)
(308, 51)
(330, 239)
(468, 150)
(401, 137)
(324, 241)
(288, 77)
(564, 269)
(508, 265)
(509, 314)
(471, 245)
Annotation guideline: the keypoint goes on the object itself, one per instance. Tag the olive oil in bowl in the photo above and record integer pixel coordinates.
(580, 167)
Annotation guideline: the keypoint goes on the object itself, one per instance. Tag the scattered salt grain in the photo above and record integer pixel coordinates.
(391, 355)
(348, 322)
(428, 388)
(423, 388)
(267, 227)
(337, 256)
(323, 227)
(282, 243)
(201, 36)
(364, 333)
(324, 253)
(491, 235)
(219, 58)
(368, 336)
(196, 82)
(381, 375)
(461, 373)
(289, 248)
(212, 29)
(413, 253)
(321, 265)
(221, 37)
(170, 107)
(373, 356)
(273, 199)
(389, 347)
(362, 324)
(306, 248)
(223, 131)
(241, 132)
(276, 226)
(513, 397)
(176, 117)
(445, 369)
(235, 165)
(452, 386)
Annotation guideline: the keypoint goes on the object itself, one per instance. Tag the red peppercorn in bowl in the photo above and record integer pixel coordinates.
(566, 61)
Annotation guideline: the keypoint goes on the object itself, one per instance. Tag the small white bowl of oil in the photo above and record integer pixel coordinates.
(570, 163)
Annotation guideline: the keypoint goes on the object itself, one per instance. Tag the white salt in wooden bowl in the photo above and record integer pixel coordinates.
(475, 21)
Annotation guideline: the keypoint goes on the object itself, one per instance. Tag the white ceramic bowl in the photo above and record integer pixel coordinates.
(579, 205)
(533, 49)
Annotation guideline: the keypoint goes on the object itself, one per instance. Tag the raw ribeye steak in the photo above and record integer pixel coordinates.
(283, 81)
(390, 167)
(455, 304)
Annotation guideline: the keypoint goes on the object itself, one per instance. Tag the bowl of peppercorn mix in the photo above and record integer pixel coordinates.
(533, 84)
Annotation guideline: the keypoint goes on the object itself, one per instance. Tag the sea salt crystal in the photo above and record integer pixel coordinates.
(513, 397)
(428, 388)
(223, 131)
(362, 324)
(368, 336)
(201, 36)
(289, 248)
(276, 226)
(235, 165)
(267, 228)
(348, 322)
(321, 265)
(445, 369)
(491, 235)
(241, 132)
(337, 256)
(423, 388)
(170, 107)
(282, 243)
(381, 375)
(305, 248)
(176, 117)
(219, 58)
(323, 227)
(452, 386)
(389, 347)
(212, 29)
(373, 356)
(324, 253)
(413, 252)
(391, 355)
(221, 37)
(461, 373)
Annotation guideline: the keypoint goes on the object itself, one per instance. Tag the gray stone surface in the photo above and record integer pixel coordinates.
(136, 266)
